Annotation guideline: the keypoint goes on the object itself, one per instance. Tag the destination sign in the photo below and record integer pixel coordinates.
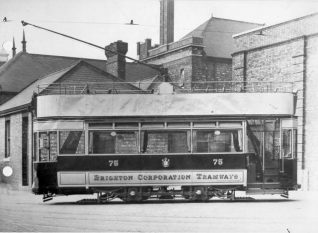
(218, 177)
(169, 177)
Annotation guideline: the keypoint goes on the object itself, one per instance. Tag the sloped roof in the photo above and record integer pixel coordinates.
(145, 84)
(217, 35)
(99, 81)
(79, 70)
(135, 72)
(25, 96)
(153, 83)
(25, 68)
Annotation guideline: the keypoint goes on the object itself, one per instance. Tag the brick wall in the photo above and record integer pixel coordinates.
(197, 67)
(287, 52)
(188, 55)
(277, 33)
(219, 70)
(15, 159)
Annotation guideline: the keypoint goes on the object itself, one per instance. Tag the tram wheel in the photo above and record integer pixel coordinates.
(133, 194)
(186, 192)
(199, 193)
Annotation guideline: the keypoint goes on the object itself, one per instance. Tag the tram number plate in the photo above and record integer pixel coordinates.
(113, 163)
(217, 162)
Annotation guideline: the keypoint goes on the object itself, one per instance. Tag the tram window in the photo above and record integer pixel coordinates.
(44, 154)
(152, 125)
(100, 125)
(230, 124)
(111, 142)
(72, 142)
(35, 147)
(165, 142)
(53, 146)
(126, 125)
(47, 144)
(289, 143)
(295, 143)
(178, 124)
(204, 124)
(217, 141)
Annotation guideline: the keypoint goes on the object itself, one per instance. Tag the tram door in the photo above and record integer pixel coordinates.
(264, 141)
(289, 150)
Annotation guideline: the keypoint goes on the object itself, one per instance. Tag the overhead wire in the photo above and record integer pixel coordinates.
(24, 23)
(113, 23)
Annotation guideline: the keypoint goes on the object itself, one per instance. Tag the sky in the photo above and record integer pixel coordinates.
(104, 21)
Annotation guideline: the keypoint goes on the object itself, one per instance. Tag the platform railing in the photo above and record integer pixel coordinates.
(143, 87)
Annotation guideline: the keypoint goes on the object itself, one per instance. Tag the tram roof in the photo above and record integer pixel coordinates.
(151, 105)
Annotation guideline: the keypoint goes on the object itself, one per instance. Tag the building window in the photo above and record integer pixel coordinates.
(113, 142)
(25, 147)
(7, 139)
(72, 142)
(217, 141)
(182, 78)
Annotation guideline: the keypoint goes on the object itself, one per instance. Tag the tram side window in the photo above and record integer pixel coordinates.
(165, 142)
(35, 147)
(113, 142)
(47, 146)
(72, 142)
(289, 146)
(217, 141)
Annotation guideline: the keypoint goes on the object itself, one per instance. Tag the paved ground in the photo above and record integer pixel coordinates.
(22, 211)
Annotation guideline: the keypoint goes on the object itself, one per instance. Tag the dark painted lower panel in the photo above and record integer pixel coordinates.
(151, 162)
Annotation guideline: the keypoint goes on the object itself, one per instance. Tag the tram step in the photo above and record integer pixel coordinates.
(261, 185)
(256, 191)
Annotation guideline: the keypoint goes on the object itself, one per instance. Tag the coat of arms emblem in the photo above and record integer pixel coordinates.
(165, 162)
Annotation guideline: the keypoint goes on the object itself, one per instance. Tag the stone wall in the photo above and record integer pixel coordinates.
(286, 53)
(311, 111)
(188, 55)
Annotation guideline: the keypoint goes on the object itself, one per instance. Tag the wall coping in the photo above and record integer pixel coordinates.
(245, 33)
(174, 46)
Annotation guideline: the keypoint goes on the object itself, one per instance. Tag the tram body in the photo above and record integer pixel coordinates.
(137, 146)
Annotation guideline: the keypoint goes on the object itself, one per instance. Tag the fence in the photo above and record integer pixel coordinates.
(149, 88)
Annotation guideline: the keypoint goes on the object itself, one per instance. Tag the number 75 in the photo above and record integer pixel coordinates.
(217, 162)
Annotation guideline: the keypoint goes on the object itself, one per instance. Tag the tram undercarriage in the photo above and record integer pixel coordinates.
(175, 193)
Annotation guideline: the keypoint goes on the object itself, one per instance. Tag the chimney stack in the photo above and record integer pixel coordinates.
(116, 62)
(166, 21)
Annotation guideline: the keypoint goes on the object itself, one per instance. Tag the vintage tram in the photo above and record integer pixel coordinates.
(193, 145)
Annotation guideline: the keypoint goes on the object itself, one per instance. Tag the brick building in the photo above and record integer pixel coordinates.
(287, 52)
(204, 54)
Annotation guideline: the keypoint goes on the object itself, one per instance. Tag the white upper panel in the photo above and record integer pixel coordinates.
(202, 104)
